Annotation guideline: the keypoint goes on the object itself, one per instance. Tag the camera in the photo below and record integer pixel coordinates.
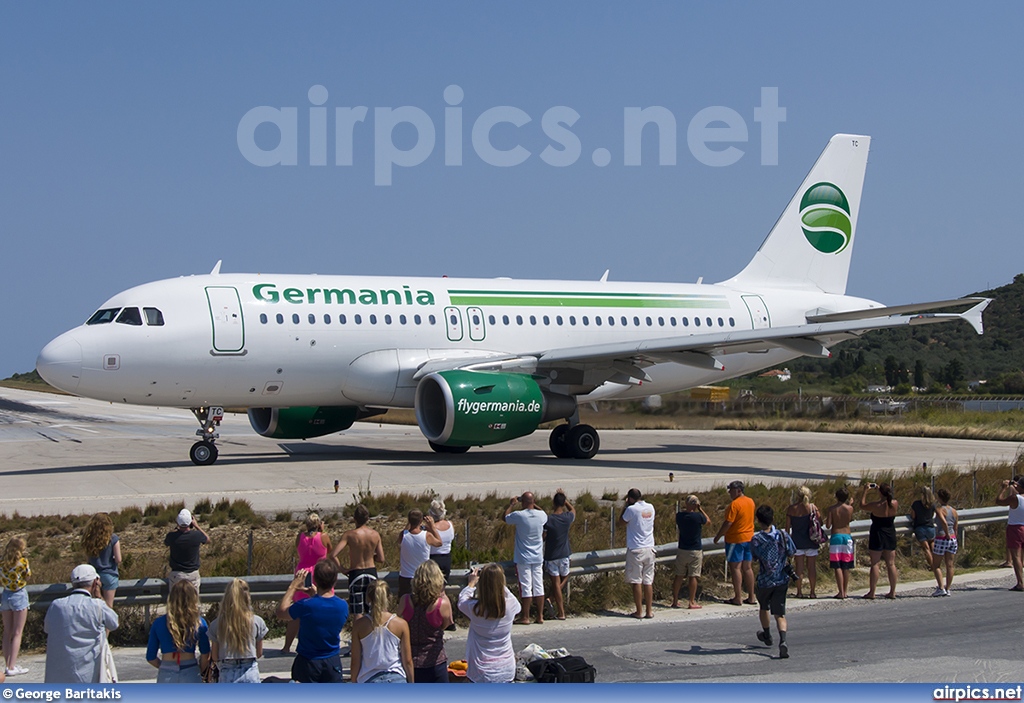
(872, 485)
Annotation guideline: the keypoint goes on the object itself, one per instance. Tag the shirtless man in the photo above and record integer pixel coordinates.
(840, 544)
(365, 551)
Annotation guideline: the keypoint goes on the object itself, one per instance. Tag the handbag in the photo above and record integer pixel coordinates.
(817, 531)
(108, 670)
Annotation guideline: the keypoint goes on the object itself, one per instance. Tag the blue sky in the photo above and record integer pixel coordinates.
(121, 162)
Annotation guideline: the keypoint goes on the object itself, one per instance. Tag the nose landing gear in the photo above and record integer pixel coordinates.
(204, 452)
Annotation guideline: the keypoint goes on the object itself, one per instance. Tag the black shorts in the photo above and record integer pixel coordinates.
(317, 670)
(444, 561)
(359, 582)
(773, 598)
(881, 539)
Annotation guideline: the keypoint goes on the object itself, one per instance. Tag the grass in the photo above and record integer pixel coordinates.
(54, 541)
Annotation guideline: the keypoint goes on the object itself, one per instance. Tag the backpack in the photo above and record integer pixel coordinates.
(817, 531)
(562, 670)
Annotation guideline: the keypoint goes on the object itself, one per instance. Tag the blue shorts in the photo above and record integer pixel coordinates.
(738, 551)
(924, 533)
(109, 582)
(14, 600)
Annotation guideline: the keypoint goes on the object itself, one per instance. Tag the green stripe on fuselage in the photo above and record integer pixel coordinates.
(586, 300)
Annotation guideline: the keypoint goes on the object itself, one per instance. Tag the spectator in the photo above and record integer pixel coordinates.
(557, 549)
(798, 524)
(946, 524)
(184, 545)
(1010, 497)
(103, 548)
(365, 551)
(311, 545)
(428, 612)
(177, 635)
(76, 629)
(881, 536)
(236, 636)
(922, 525)
(491, 609)
(840, 544)
(415, 542)
(528, 555)
(14, 574)
(738, 530)
(380, 643)
(772, 547)
(638, 517)
(321, 618)
(446, 531)
(690, 557)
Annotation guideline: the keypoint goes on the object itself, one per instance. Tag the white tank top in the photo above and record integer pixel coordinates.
(414, 552)
(380, 653)
(1016, 513)
(447, 537)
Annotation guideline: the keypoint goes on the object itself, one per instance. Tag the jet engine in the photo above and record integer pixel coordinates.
(470, 408)
(302, 422)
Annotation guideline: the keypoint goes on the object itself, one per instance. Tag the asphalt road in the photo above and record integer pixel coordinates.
(972, 636)
(67, 455)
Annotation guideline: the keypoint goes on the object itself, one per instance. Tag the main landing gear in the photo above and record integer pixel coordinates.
(204, 452)
(574, 441)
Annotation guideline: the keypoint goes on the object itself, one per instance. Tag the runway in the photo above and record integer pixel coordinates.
(67, 455)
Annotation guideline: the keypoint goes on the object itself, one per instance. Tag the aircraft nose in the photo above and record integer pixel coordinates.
(60, 363)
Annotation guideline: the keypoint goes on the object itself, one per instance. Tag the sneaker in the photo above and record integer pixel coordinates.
(765, 637)
(783, 650)
(16, 671)
(945, 592)
(939, 592)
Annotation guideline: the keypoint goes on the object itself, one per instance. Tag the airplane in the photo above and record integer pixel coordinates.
(481, 361)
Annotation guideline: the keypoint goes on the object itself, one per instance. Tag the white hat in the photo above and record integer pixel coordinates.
(184, 517)
(84, 573)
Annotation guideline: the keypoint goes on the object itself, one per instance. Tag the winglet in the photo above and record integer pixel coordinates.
(216, 268)
(973, 316)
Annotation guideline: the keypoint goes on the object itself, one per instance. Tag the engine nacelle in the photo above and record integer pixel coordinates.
(302, 422)
(470, 408)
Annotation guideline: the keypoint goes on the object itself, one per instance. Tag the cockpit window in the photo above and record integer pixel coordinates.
(102, 317)
(154, 318)
(130, 316)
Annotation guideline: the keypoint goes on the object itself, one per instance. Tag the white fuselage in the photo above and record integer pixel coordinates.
(246, 340)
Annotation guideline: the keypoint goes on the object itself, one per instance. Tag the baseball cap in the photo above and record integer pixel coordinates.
(736, 484)
(84, 573)
(184, 517)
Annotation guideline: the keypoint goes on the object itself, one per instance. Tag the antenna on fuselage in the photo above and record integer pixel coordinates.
(216, 268)
(604, 278)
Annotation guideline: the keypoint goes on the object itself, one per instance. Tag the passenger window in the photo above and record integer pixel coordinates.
(387, 319)
(504, 319)
(327, 319)
(476, 319)
(558, 320)
(155, 318)
(519, 319)
(295, 318)
(342, 319)
(661, 322)
(709, 322)
(358, 319)
(402, 319)
(672, 321)
(721, 323)
(597, 320)
(624, 321)
(572, 320)
(312, 319)
(611, 321)
(263, 318)
(533, 319)
(636, 321)
(130, 316)
(417, 319)
(432, 320)
(586, 321)
(649, 322)
(732, 322)
(280, 319)
(102, 317)
(696, 321)
(547, 320)
(686, 322)
(373, 319)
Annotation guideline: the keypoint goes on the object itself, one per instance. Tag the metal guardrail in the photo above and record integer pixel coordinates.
(153, 591)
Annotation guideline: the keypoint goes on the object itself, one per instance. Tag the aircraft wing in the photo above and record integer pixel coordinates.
(813, 339)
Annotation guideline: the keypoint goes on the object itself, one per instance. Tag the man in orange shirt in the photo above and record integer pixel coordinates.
(738, 530)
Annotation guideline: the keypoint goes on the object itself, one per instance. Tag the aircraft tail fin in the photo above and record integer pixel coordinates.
(811, 243)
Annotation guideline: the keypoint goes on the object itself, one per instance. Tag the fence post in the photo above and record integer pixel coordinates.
(248, 565)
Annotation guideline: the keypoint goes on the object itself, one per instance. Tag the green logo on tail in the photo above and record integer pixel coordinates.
(825, 218)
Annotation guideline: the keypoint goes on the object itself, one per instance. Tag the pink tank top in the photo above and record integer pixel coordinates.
(311, 549)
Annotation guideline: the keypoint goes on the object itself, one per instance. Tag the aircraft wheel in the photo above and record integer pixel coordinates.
(444, 449)
(582, 442)
(203, 453)
(556, 441)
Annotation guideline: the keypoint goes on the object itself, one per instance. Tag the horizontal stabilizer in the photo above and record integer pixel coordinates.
(869, 313)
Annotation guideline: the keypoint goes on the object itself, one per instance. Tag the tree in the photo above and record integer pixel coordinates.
(919, 374)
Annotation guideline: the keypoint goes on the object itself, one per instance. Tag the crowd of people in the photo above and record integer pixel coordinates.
(402, 640)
